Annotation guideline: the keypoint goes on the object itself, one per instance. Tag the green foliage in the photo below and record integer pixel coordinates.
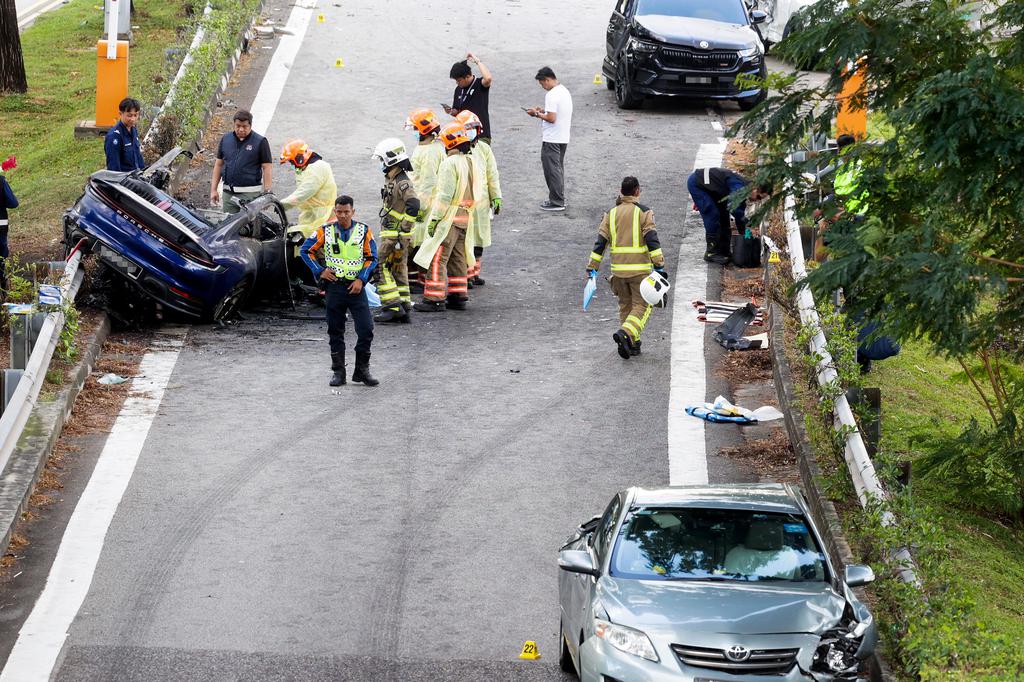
(185, 115)
(67, 348)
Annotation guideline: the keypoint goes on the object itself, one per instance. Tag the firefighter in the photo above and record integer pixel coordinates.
(483, 155)
(398, 214)
(447, 249)
(315, 188)
(628, 229)
(710, 189)
(426, 159)
(350, 256)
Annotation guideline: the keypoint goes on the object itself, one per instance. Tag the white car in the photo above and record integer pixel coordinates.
(780, 15)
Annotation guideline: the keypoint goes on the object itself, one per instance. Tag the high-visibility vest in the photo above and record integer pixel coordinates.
(632, 259)
(846, 185)
(345, 258)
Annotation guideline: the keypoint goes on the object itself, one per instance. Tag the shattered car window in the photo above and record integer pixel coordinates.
(716, 544)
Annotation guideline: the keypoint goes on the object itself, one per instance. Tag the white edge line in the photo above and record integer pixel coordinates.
(42, 637)
(687, 453)
(265, 103)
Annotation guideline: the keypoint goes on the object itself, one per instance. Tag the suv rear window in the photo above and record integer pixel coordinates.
(716, 544)
(728, 11)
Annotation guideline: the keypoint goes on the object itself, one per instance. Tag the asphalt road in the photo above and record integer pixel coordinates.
(276, 529)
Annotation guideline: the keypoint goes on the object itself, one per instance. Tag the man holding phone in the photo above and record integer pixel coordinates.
(471, 93)
(556, 120)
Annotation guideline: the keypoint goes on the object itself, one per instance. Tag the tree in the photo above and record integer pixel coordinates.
(12, 65)
(939, 252)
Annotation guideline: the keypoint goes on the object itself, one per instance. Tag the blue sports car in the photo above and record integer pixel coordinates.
(203, 264)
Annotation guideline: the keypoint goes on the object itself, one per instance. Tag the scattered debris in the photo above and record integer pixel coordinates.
(722, 411)
(111, 379)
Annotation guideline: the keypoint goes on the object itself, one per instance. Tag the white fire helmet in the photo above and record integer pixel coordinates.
(654, 289)
(389, 152)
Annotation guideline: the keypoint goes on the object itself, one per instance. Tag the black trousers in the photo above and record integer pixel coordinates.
(339, 301)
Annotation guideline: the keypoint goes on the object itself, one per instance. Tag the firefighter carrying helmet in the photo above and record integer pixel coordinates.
(389, 152)
(453, 134)
(654, 288)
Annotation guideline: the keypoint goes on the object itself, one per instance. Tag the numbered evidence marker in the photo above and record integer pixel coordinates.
(774, 257)
(597, 79)
(320, 19)
(530, 652)
(339, 63)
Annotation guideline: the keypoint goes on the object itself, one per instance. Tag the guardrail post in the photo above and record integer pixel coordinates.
(24, 331)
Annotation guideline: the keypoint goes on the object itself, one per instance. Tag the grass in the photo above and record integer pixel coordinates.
(38, 127)
(922, 399)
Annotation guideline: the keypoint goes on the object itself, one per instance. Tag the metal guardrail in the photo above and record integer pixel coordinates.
(862, 470)
(16, 414)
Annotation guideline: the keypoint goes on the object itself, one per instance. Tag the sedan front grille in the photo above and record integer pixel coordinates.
(716, 60)
(760, 661)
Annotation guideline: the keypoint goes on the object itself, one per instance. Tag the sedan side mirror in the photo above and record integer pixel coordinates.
(577, 561)
(758, 16)
(859, 574)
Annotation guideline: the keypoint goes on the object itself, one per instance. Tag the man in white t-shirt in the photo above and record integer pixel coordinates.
(556, 119)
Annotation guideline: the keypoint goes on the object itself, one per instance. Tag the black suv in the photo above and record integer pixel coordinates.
(683, 48)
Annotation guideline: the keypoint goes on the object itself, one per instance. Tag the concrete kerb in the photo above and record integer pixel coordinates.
(40, 435)
(825, 515)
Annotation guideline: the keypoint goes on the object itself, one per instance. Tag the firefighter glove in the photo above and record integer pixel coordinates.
(496, 205)
(432, 226)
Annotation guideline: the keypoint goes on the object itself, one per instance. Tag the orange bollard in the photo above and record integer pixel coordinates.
(111, 82)
(850, 120)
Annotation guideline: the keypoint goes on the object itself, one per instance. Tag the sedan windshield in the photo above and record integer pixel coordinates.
(728, 11)
(716, 544)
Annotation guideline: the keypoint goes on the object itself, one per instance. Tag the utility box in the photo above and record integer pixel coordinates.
(111, 82)
(124, 18)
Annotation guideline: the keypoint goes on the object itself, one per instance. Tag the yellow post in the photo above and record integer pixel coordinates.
(111, 81)
(853, 118)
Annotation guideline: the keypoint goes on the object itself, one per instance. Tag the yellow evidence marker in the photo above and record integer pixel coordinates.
(320, 19)
(774, 257)
(339, 63)
(530, 652)
(597, 79)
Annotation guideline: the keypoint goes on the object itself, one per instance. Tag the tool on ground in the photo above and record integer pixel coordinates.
(590, 289)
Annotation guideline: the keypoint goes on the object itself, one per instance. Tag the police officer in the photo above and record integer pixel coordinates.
(122, 142)
(350, 255)
(710, 189)
(243, 162)
(398, 214)
(7, 200)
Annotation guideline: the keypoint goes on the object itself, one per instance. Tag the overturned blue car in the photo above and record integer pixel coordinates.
(152, 248)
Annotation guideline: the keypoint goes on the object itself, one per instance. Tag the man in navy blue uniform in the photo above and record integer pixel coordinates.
(243, 162)
(7, 200)
(122, 143)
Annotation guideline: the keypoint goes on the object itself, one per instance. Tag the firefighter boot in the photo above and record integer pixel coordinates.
(361, 373)
(712, 255)
(426, 306)
(456, 303)
(406, 312)
(624, 343)
(338, 367)
(391, 315)
(635, 349)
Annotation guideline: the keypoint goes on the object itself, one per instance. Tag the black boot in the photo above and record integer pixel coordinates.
(456, 303)
(390, 315)
(712, 255)
(624, 343)
(406, 317)
(361, 373)
(635, 349)
(426, 306)
(479, 281)
(338, 367)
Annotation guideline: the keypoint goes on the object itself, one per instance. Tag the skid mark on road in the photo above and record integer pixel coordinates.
(42, 636)
(687, 456)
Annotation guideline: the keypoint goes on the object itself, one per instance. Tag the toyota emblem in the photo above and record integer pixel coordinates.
(704, 44)
(737, 653)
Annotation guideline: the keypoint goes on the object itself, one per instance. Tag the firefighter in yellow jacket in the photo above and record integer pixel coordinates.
(315, 189)
(628, 231)
(398, 214)
(447, 249)
(426, 160)
(483, 155)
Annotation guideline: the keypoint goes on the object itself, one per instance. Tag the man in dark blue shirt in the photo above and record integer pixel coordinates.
(7, 200)
(243, 162)
(122, 142)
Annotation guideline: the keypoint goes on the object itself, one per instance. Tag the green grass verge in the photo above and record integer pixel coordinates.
(922, 399)
(38, 127)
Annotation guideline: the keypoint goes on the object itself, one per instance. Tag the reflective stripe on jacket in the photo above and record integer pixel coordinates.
(630, 232)
(401, 206)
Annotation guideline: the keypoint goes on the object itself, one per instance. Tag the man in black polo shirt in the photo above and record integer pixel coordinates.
(472, 93)
(244, 162)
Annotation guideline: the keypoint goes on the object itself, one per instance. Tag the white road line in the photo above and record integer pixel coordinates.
(716, 125)
(687, 457)
(30, 14)
(42, 636)
(265, 104)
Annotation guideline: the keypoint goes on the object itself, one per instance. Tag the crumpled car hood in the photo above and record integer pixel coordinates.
(689, 32)
(735, 608)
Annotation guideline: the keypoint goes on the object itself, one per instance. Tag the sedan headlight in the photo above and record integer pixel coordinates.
(626, 639)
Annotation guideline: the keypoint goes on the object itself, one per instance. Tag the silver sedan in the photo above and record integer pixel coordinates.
(708, 584)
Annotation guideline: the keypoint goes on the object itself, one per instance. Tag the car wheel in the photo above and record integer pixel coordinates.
(609, 83)
(564, 657)
(624, 96)
(233, 300)
(748, 103)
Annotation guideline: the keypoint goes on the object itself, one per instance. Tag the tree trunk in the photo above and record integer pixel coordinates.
(12, 65)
